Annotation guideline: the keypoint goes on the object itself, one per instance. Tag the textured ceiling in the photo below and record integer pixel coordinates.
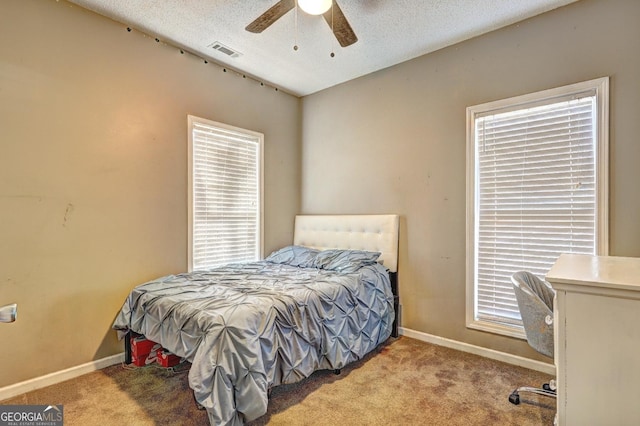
(388, 31)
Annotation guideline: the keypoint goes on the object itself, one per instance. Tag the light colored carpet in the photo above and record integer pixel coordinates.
(404, 381)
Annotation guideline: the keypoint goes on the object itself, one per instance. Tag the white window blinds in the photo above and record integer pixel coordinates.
(225, 191)
(536, 195)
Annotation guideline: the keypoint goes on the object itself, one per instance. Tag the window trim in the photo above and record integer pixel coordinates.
(191, 119)
(601, 88)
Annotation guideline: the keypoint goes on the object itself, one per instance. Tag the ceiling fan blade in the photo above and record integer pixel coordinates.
(274, 13)
(341, 28)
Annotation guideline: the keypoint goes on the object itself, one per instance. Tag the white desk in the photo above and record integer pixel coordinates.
(597, 339)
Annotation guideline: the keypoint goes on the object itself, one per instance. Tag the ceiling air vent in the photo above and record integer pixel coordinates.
(225, 49)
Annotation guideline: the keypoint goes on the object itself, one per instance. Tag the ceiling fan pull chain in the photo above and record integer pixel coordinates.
(332, 38)
(295, 20)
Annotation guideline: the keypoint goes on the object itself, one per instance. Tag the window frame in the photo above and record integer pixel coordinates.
(600, 87)
(192, 120)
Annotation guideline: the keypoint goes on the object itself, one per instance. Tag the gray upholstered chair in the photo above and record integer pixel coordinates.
(535, 301)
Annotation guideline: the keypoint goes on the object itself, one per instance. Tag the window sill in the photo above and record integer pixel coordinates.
(504, 330)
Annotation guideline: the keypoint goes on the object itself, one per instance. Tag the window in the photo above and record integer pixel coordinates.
(225, 194)
(536, 187)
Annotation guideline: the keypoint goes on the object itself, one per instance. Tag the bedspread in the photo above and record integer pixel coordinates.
(248, 327)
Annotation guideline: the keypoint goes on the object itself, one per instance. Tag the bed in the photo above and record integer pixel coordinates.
(321, 303)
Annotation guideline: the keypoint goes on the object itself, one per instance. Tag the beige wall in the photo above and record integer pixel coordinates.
(395, 142)
(93, 173)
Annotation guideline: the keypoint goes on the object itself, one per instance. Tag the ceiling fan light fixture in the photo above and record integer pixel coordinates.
(315, 7)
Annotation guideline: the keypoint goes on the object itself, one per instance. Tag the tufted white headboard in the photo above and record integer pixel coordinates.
(358, 232)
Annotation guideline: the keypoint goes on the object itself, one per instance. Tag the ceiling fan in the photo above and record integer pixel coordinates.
(334, 17)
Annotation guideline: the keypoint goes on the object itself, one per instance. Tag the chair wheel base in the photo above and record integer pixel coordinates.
(514, 398)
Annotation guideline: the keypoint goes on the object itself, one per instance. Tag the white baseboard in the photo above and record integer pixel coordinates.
(70, 373)
(59, 376)
(478, 350)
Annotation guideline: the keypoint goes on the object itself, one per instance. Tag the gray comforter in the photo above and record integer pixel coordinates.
(248, 327)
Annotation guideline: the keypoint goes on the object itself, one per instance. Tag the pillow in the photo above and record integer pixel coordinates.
(295, 256)
(346, 261)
